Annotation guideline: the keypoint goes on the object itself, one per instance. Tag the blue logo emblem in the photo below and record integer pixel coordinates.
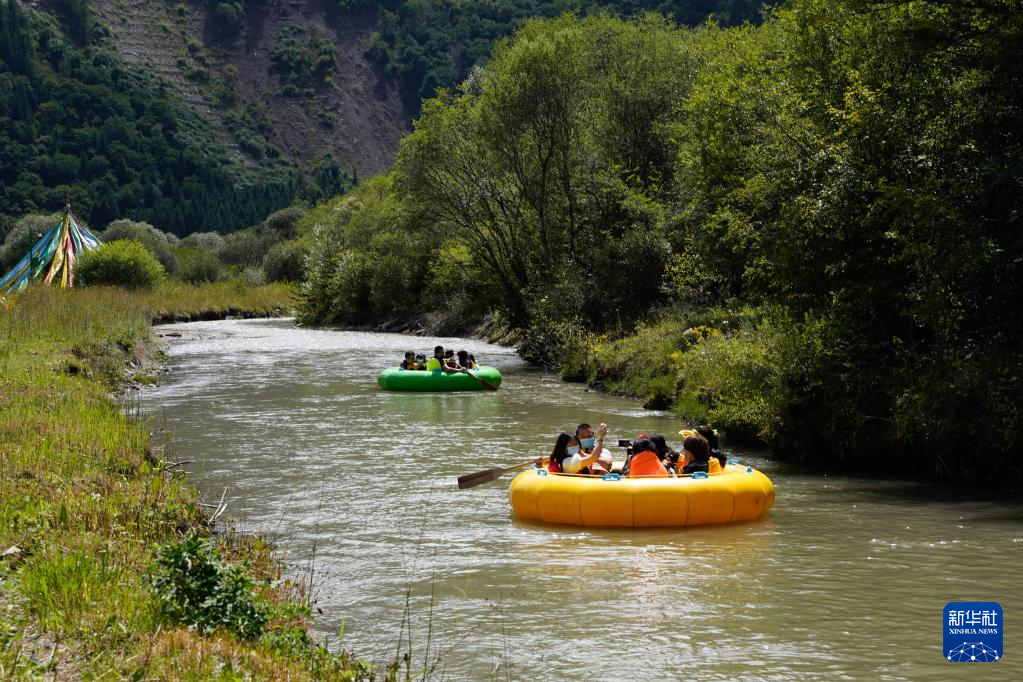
(973, 632)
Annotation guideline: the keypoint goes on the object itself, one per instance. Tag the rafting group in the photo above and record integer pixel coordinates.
(583, 453)
(656, 486)
(444, 360)
(444, 371)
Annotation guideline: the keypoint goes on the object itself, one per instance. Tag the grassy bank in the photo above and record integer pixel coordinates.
(179, 302)
(86, 503)
(736, 369)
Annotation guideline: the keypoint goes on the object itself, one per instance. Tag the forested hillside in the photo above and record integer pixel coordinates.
(206, 115)
(806, 231)
(427, 45)
(76, 124)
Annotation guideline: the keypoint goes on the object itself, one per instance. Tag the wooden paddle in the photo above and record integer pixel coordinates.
(488, 475)
(483, 382)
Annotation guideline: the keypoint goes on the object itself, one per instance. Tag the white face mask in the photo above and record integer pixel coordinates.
(573, 450)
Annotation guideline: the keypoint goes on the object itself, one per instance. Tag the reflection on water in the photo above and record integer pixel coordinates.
(845, 578)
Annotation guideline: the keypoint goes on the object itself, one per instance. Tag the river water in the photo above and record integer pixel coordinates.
(844, 579)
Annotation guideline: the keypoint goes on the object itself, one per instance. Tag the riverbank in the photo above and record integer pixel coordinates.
(490, 328)
(87, 504)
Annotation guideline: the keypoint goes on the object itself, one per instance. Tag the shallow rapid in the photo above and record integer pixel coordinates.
(844, 579)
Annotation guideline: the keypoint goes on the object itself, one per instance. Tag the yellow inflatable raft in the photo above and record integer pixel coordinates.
(738, 493)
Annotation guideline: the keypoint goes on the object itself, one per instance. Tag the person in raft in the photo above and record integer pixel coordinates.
(567, 457)
(645, 461)
(711, 436)
(465, 360)
(669, 458)
(590, 445)
(697, 454)
(420, 361)
(409, 362)
(559, 454)
(437, 362)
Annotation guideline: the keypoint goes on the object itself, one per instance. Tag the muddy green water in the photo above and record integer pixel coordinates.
(844, 579)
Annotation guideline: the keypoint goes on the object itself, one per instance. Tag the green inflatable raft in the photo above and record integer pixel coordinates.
(397, 379)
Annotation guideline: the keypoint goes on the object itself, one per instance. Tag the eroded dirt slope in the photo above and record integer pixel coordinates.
(359, 116)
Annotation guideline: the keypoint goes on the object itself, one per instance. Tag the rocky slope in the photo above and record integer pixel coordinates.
(357, 115)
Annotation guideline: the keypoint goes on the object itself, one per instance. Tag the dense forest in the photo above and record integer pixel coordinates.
(805, 231)
(430, 45)
(76, 123)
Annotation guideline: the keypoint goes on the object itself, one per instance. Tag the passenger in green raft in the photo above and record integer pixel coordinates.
(439, 361)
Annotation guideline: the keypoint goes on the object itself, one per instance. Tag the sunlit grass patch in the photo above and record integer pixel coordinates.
(77, 592)
(85, 501)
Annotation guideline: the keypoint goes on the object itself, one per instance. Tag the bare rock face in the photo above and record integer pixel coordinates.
(356, 114)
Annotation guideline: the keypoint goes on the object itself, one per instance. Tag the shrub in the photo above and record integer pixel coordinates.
(120, 263)
(199, 265)
(284, 262)
(196, 588)
(247, 247)
(252, 277)
(156, 242)
(743, 382)
(283, 221)
(208, 241)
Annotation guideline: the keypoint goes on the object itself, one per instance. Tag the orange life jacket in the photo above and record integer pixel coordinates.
(647, 464)
(713, 465)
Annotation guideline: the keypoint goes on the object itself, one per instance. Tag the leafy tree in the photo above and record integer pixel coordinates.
(368, 257)
(533, 166)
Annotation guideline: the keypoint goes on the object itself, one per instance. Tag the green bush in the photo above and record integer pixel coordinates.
(199, 265)
(303, 64)
(196, 588)
(247, 247)
(284, 220)
(284, 262)
(209, 241)
(747, 381)
(252, 277)
(120, 263)
(156, 242)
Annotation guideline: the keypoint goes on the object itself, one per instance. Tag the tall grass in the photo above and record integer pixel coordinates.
(85, 502)
(180, 301)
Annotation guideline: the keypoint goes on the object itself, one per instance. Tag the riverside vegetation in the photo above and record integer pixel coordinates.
(805, 232)
(109, 566)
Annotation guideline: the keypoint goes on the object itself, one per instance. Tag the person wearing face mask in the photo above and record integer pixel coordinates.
(559, 454)
(590, 445)
(566, 457)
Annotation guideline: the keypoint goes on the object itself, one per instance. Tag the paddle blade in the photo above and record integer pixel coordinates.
(482, 382)
(479, 478)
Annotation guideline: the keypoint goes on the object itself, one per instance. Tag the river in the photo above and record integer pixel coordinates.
(845, 578)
